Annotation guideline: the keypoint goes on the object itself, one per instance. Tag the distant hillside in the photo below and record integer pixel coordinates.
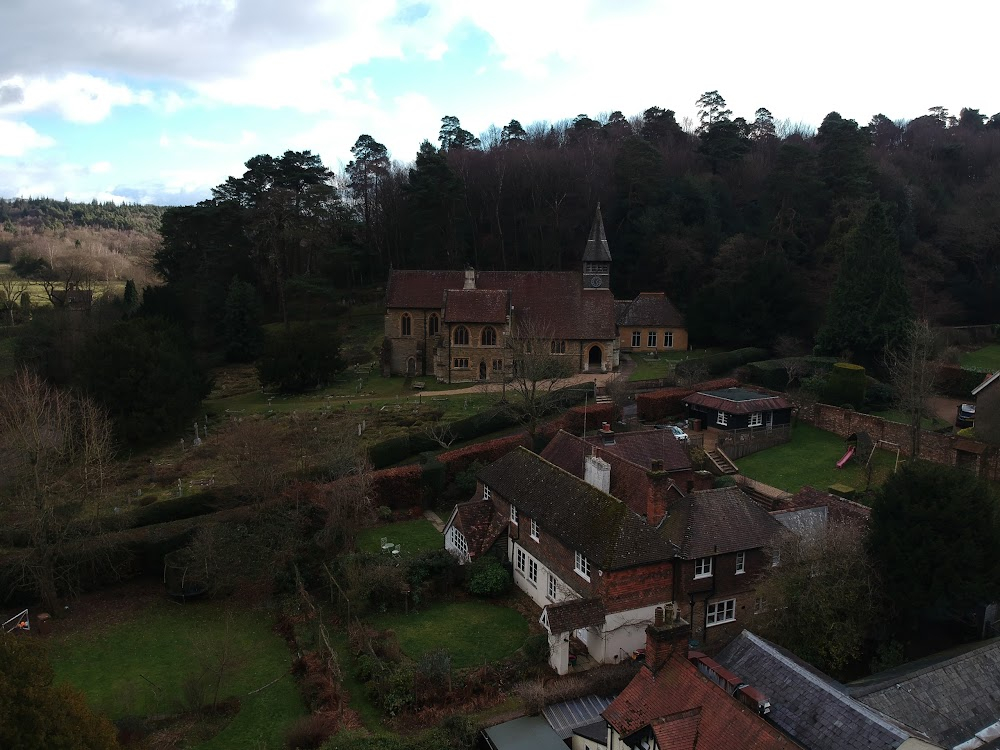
(46, 213)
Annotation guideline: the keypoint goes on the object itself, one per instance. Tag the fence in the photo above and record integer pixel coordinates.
(740, 443)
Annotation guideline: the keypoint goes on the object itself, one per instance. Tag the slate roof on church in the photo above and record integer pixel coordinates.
(553, 303)
(805, 703)
(679, 704)
(597, 250)
(648, 309)
(476, 305)
(715, 522)
(961, 685)
(582, 517)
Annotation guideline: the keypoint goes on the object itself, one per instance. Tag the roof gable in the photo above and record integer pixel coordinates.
(582, 517)
(716, 522)
(990, 379)
(649, 309)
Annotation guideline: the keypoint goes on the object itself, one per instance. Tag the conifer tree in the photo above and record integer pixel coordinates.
(241, 324)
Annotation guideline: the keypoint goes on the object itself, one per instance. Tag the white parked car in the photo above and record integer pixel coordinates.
(678, 433)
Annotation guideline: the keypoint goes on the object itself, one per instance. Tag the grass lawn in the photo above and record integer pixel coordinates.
(473, 632)
(413, 536)
(986, 359)
(811, 458)
(653, 369)
(167, 643)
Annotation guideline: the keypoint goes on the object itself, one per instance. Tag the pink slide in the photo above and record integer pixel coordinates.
(846, 458)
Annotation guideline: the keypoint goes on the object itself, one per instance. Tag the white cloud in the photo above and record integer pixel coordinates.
(17, 138)
(100, 167)
(80, 98)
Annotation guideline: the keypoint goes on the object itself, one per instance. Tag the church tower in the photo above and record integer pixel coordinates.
(597, 257)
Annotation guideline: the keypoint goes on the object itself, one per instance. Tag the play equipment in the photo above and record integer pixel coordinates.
(18, 622)
(846, 457)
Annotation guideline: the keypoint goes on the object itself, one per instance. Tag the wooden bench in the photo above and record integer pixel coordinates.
(419, 386)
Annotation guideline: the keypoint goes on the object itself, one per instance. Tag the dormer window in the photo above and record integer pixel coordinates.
(513, 513)
(703, 567)
(486, 492)
(582, 566)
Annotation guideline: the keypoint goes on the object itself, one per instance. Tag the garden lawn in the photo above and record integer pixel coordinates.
(663, 365)
(811, 458)
(986, 359)
(166, 644)
(474, 633)
(412, 536)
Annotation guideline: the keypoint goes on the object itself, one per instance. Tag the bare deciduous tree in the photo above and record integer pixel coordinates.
(56, 455)
(913, 368)
(11, 289)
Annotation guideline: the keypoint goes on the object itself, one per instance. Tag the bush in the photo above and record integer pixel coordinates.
(845, 384)
(488, 578)
(724, 481)
(717, 364)
(773, 373)
(176, 509)
(957, 382)
(879, 396)
(310, 732)
(536, 649)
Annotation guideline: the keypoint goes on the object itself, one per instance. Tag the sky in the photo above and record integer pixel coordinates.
(159, 101)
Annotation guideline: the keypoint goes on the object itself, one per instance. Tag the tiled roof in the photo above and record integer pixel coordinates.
(678, 732)
(714, 522)
(838, 509)
(578, 716)
(596, 731)
(735, 403)
(805, 703)
(480, 524)
(643, 446)
(597, 244)
(677, 688)
(948, 697)
(649, 309)
(986, 383)
(581, 516)
(476, 305)
(574, 614)
(551, 302)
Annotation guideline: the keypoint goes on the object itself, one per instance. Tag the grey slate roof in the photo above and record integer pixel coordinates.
(648, 309)
(948, 697)
(715, 522)
(583, 518)
(597, 250)
(578, 714)
(806, 704)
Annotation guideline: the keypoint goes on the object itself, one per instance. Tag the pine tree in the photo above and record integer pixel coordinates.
(241, 324)
(869, 308)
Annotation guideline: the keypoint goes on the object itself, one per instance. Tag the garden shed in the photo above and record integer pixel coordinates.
(738, 409)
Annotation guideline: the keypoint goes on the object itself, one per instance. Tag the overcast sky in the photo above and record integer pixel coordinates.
(160, 100)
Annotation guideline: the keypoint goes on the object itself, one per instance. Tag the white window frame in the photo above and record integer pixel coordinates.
(741, 563)
(486, 492)
(668, 339)
(775, 558)
(756, 419)
(581, 565)
(703, 567)
(636, 338)
(651, 339)
(533, 533)
(533, 570)
(718, 613)
(520, 557)
(551, 587)
(513, 514)
(459, 542)
(759, 605)
(721, 418)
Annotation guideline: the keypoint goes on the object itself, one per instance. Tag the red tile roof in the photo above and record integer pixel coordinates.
(678, 688)
(575, 614)
(642, 447)
(679, 732)
(715, 522)
(719, 401)
(649, 309)
(476, 305)
(480, 524)
(552, 302)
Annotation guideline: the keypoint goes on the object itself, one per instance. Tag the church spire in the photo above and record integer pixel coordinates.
(597, 250)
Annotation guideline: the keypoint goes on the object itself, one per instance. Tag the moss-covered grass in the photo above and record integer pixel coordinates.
(139, 666)
(412, 536)
(653, 368)
(986, 359)
(474, 633)
(811, 458)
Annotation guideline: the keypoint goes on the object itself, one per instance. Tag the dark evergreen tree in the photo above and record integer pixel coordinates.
(241, 329)
(433, 198)
(869, 308)
(935, 534)
(843, 157)
(307, 357)
(130, 299)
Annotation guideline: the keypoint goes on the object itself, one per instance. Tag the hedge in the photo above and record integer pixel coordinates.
(717, 364)
(574, 419)
(669, 402)
(845, 385)
(396, 449)
(958, 382)
(772, 373)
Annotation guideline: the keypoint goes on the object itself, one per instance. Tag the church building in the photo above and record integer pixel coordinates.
(460, 326)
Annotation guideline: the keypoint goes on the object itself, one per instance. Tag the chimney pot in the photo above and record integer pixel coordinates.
(656, 464)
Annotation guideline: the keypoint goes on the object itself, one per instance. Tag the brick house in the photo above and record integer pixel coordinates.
(722, 541)
(683, 700)
(988, 409)
(650, 324)
(462, 326)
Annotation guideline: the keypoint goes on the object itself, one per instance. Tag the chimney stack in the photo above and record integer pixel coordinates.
(607, 433)
(656, 464)
(665, 638)
(470, 278)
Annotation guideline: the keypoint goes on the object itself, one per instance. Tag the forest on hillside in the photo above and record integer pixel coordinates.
(742, 221)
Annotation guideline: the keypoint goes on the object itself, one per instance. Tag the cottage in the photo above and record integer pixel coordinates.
(738, 408)
(650, 324)
(473, 325)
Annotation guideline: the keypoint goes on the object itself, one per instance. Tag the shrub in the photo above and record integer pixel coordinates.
(957, 382)
(536, 649)
(773, 373)
(845, 384)
(879, 396)
(488, 578)
(310, 732)
(724, 481)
